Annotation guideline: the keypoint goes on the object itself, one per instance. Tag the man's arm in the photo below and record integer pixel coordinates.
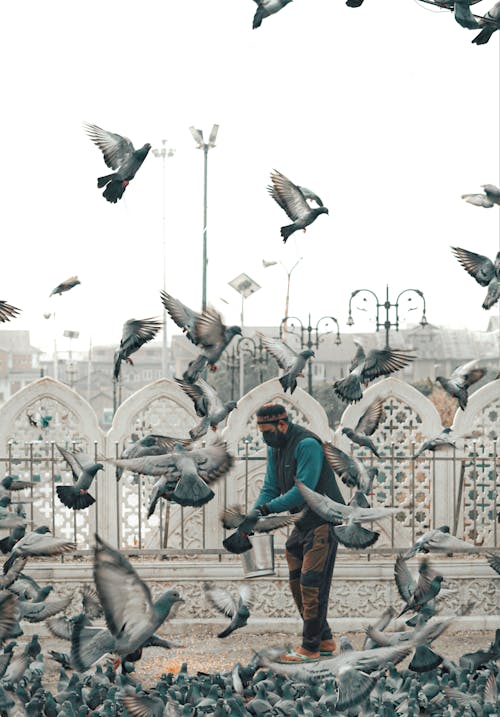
(309, 455)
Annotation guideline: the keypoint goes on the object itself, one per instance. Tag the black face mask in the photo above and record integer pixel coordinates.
(274, 439)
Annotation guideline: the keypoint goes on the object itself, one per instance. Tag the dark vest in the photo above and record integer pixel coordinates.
(286, 469)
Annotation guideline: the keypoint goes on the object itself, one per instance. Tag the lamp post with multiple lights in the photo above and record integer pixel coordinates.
(205, 146)
(310, 342)
(387, 305)
(164, 154)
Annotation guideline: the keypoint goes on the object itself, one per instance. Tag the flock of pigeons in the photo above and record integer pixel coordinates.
(487, 23)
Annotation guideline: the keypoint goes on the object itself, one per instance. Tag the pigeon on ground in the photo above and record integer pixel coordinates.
(290, 361)
(461, 379)
(7, 312)
(131, 615)
(119, 154)
(440, 441)
(472, 661)
(416, 593)
(184, 317)
(213, 337)
(351, 470)
(207, 405)
(65, 285)
(491, 194)
(84, 469)
(439, 540)
(490, 22)
(150, 445)
(483, 270)
(265, 8)
(38, 542)
(366, 426)
(224, 602)
(350, 533)
(185, 473)
(292, 200)
(367, 367)
(136, 333)
(464, 16)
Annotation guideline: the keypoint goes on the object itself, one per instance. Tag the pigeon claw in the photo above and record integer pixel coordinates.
(212, 367)
(125, 183)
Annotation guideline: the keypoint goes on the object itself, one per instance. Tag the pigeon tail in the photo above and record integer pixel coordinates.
(287, 382)
(237, 543)
(102, 181)
(72, 498)
(484, 35)
(87, 650)
(349, 389)
(114, 191)
(354, 3)
(192, 490)
(229, 629)
(355, 536)
(462, 398)
(287, 231)
(424, 659)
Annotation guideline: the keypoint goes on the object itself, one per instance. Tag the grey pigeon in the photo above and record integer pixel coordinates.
(150, 445)
(379, 625)
(207, 405)
(187, 470)
(483, 270)
(233, 517)
(350, 533)
(213, 337)
(424, 658)
(265, 8)
(238, 610)
(135, 333)
(463, 15)
(119, 154)
(472, 661)
(440, 441)
(490, 22)
(39, 611)
(439, 540)
(290, 361)
(184, 317)
(367, 367)
(291, 199)
(38, 542)
(416, 593)
(84, 469)
(461, 379)
(7, 312)
(491, 194)
(130, 613)
(366, 426)
(351, 470)
(65, 285)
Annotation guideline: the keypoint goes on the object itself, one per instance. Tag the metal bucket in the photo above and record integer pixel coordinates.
(259, 561)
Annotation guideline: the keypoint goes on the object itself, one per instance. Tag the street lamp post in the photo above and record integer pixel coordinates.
(266, 265)
(387, 305)
(70, 365)
(234, 360)
(205, 146)
(245, 286)
(309, 329)
(165, 154)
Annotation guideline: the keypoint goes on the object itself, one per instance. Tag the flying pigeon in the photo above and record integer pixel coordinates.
(439, 540)
(233, 517)
(378, 626)
(416, 593)
(120, 155)
(292, 200)
(367, 367)
(65, 285)
(150, 445)
(207, 405)
(366, 426)
(130, 613)
(224, 602)
(136, 333)
(491, 194)
(350, 533)
(351, 470)
(213, 337)
(483, 270)
(288, 360)
(461, 379)
(7, 311)
(38, 542)
(490, 22)
(184, 317)
(184, 473)
(84, 469)
(442, 440)
(265, 8)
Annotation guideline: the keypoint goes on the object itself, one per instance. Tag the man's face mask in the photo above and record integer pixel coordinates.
(274, 439)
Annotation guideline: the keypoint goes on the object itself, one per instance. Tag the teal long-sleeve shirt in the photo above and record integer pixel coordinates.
(309, 456)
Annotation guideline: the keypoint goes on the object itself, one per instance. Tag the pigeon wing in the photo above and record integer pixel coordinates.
(370, 419)
(117, 150)
(209, 328)
(383, 362)
(232, 516)
(340, 461)
(137, 332)
(325, 507)
(405, 582)
(222, 600)
(477, 265)
(149, 465)
(290, 196)
(183, 316)
(359, 356)
(213, 461)
(272, 522)
(466, 375)
(279, 350)
(479, 200)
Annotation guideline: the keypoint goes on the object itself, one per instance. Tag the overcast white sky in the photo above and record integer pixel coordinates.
(388, 112)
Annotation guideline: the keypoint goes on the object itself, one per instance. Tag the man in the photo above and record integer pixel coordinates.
(294, 452)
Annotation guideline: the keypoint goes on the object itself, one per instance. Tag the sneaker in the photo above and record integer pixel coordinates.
(327, 647)
(300, 654)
